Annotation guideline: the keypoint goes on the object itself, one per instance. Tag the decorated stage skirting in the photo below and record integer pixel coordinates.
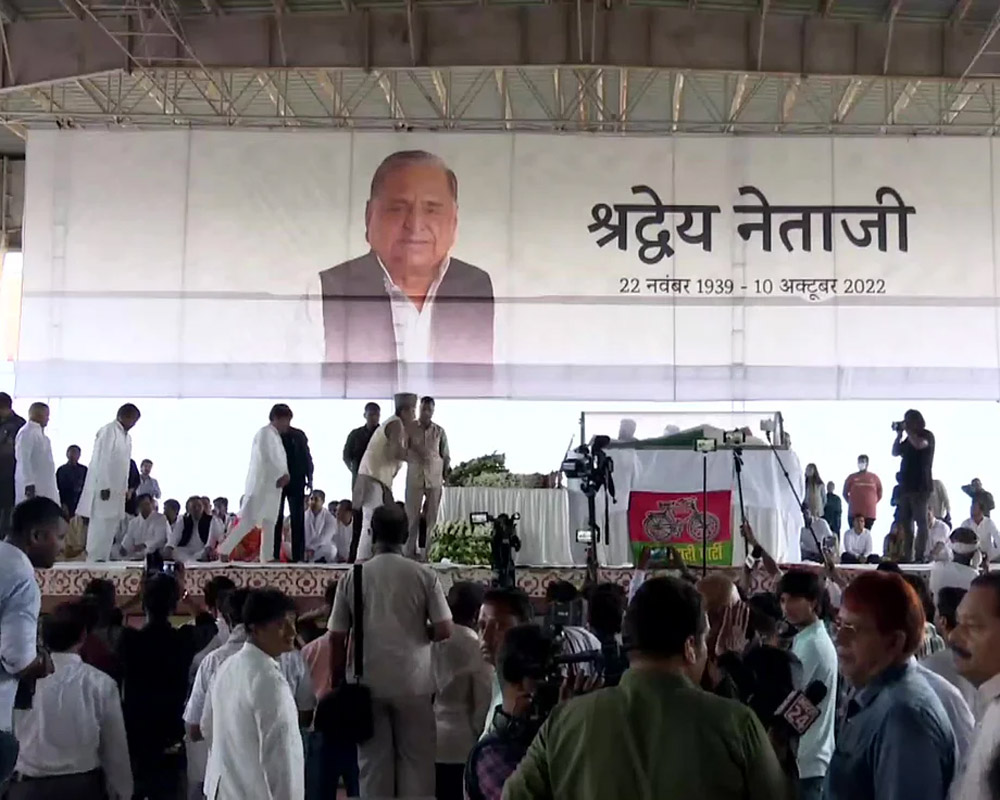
(307, 581)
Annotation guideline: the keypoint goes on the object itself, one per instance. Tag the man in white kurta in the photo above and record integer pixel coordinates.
(257, 751)
(35, 469)
(146, 533)
(385, 454)
(321, 530)
(266, 477)
(102, 502)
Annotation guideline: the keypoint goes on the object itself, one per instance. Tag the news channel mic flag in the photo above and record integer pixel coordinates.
(411, 223)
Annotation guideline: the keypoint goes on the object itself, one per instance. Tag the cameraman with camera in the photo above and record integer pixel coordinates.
(522, 667)
(916, 481)
(656, 734)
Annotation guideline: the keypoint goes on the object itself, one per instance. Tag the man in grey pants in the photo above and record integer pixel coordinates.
(404, 609)
(916, 481)
(427, 461)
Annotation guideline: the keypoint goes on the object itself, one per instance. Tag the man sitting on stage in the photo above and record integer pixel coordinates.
(321, 529)
(380, 464)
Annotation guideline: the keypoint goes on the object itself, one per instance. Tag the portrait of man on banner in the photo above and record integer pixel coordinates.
(658, 520)
(408, 299)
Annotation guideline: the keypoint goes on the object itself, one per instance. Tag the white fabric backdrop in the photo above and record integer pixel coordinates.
(770, 505)
(543, 527)
(190, 269)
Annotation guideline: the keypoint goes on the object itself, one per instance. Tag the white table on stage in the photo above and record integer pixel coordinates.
(543, 527)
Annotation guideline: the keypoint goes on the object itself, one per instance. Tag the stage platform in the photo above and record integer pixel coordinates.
(307, 582)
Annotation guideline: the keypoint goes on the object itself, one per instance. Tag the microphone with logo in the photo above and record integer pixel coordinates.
(800, 709)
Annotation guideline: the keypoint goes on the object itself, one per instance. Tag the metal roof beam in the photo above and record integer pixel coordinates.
(960, 10)
(634, 36)
(988, 36)
(9, 11)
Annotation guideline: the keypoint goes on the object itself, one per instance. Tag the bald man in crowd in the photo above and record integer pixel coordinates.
(407, 299)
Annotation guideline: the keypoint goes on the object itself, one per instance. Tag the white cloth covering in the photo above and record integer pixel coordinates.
(257, 751)
(544, 527)
(770, 505)
(34, 464)
(321, 533)
(262, 497)
(75, 725)
(108, 470)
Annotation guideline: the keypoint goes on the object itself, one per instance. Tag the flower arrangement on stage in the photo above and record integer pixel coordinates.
(491, 471)
(461, 542)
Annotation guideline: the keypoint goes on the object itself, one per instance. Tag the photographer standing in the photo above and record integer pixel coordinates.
(915, 480)
(521, 668)
(656, 734)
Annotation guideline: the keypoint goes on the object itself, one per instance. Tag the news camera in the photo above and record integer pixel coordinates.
(592, 466)
(504, 543)
(555, 669)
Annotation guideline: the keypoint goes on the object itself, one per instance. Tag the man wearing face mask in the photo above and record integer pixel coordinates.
(666, 625)
(863, 491)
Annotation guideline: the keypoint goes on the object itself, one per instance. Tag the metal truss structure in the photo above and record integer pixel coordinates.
(597, 99)
(603, 66)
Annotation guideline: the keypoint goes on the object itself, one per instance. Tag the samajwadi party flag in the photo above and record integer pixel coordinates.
(674, 519)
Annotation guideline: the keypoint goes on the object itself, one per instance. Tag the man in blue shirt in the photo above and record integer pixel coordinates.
(896, 742)
(800, 593)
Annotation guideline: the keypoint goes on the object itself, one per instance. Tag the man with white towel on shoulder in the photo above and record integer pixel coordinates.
(266, 477)
(34, 469)
(104, 490)
(385, 454)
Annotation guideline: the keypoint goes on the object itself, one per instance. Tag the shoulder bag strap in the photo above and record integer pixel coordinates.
(359, 628)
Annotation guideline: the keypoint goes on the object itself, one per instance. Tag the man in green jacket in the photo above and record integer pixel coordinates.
(657, 734)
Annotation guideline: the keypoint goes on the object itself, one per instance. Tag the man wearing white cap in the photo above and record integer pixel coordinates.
(380, 464)
(962, 570)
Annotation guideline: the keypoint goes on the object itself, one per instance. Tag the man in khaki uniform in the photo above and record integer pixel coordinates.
(427, 461)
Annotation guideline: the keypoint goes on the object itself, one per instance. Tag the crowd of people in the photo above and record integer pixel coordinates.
(810, 682)
(803, 683)
(114, 506)
(921, 527)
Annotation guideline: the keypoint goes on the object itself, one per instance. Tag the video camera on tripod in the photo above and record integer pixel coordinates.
(505, 542)
(593, 467)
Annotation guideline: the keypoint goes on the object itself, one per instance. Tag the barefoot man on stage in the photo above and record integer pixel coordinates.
(102, 501)
(267, 476)
(384, 456)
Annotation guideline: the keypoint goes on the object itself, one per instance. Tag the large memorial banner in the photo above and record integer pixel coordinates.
(310, 264)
